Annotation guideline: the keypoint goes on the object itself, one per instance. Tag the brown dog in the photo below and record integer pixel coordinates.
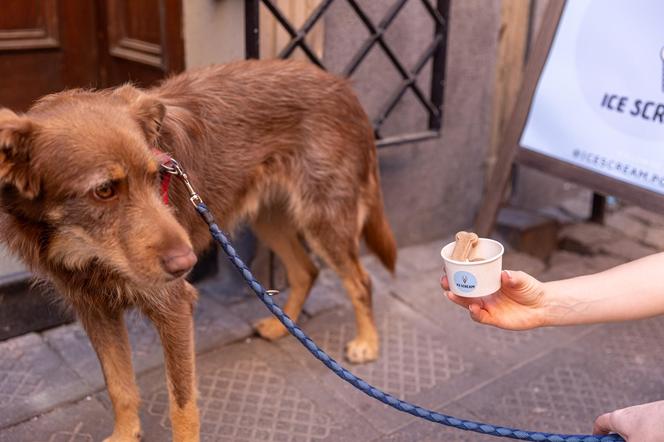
(282, 145)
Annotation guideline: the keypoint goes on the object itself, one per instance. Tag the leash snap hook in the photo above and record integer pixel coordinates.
(174, 168)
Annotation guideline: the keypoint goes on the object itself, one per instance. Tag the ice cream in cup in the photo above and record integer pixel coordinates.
(474, 272)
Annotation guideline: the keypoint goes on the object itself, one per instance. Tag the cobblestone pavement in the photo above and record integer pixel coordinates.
(51, 388)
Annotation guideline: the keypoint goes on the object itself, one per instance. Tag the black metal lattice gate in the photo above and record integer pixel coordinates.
(435, 51)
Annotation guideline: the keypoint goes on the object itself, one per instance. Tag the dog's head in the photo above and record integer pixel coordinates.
(79, 183)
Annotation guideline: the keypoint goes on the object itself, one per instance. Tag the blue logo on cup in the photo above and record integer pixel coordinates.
(465, 281)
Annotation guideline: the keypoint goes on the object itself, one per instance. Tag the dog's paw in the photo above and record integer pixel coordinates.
(360, 351)
(126, 436)
(113, 438)
(270, 329)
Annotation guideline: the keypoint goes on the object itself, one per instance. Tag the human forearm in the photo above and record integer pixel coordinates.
(633, 290)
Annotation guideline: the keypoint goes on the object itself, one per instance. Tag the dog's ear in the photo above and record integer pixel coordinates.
(147, 110)
(16, 140)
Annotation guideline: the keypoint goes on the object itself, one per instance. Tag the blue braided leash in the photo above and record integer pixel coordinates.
(363, 386)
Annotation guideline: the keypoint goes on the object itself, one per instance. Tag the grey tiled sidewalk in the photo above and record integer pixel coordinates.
(51, 388)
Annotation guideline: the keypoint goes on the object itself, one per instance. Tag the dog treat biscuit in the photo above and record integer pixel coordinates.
(474, 255)
(465, 242)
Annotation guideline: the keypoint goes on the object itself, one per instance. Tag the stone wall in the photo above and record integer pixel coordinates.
(431, 188)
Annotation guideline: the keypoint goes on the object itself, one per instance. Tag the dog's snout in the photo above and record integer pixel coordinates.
(178, 261)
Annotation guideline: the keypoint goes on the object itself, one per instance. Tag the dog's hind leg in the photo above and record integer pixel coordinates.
(277, 232)
(175, 325)
(108, 334)
(338, 244)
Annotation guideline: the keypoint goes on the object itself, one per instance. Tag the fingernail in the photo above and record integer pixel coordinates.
(508, 273)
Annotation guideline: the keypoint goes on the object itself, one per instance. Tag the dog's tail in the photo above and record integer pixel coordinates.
(378, 234)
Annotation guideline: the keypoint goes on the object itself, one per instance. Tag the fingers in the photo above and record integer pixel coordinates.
(602, 424)
(613, 422)
(444, 282)
(514, 279)
(459, 300)
(479, 314)
(474, 305)
(507, 278)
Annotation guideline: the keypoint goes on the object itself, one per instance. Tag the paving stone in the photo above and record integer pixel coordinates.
(564, 391)
(561, 257)
(586, 238)
(561, 216)
(627, 225)
(654, 238)
(8, 263)
(424, 431)
(566, 264)
(604, 262)
(578, 207)
(563, 271)
(528, 231)
(524, 262)
(627, 249)
(382, 280)
(419, 361)
(634, 349)
(222, 291)
(650, 218)
(85, 421)
(33, 379)
(252, 391)
(215, 326)
(252, 310)
(328, 293)
(422, 257)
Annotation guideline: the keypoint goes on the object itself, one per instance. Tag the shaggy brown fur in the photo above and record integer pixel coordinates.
(281, 145)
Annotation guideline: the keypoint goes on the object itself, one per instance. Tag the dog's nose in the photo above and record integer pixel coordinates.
(178, 261)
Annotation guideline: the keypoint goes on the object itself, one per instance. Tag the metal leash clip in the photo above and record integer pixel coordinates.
(174, 168)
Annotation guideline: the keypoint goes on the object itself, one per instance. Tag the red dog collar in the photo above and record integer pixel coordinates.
(164, 160)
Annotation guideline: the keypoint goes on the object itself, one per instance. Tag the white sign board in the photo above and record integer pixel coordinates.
(599, 102)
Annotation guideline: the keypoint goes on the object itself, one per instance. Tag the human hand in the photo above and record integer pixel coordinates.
(640, 423)
(518, 305)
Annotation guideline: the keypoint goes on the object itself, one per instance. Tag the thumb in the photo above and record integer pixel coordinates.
(511, 279)
(518, 281)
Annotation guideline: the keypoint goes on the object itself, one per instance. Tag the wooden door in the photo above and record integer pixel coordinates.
(50, 45)
(142, 42)
(45, 46)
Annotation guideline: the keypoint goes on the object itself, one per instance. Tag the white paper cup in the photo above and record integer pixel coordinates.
(479, 278)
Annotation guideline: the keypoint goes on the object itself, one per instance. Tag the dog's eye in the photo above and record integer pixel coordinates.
(105, 191)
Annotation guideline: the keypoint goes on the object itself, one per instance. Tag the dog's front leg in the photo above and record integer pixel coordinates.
(108, 334)
(174, 321)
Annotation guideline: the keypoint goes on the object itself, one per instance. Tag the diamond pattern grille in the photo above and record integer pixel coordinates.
(435, 51)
